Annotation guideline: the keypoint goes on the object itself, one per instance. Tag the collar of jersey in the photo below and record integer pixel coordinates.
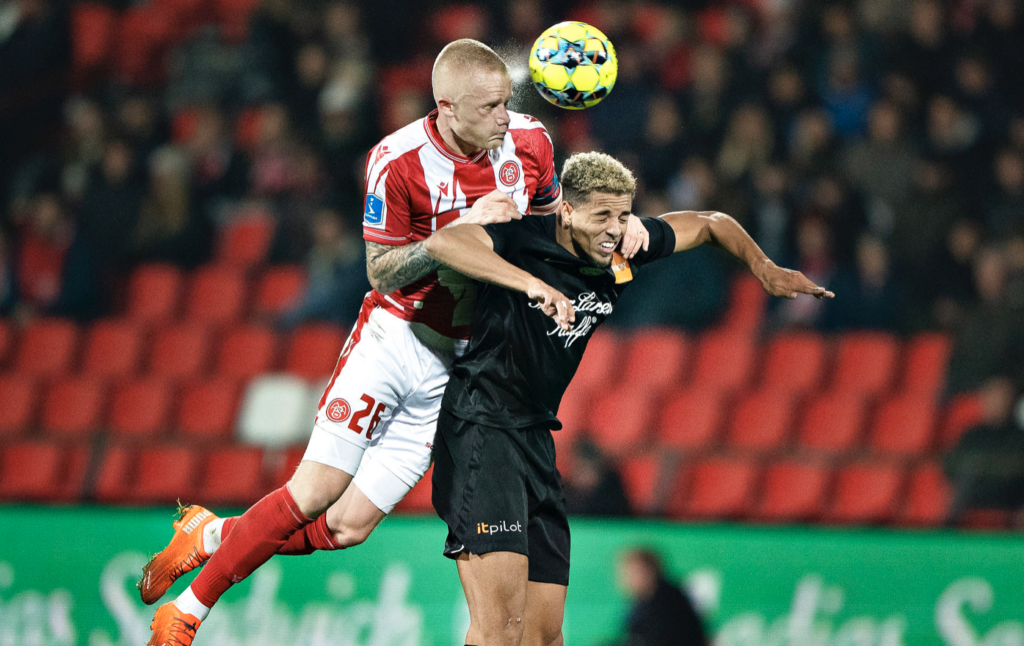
(430, 125)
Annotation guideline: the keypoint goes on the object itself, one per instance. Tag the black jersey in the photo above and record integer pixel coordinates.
(519, 362)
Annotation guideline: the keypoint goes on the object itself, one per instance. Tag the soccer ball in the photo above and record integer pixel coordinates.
(573, 65)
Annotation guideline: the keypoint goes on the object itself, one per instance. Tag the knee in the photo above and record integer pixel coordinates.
(350, 536)
(314, 490)
(505, 629)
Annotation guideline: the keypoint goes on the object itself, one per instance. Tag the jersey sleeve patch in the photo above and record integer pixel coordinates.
(374, 212)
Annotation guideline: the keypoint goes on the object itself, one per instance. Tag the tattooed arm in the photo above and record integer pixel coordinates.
(390, 268)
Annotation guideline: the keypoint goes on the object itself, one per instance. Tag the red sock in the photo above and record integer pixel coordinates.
(256, 536)
(311, 538)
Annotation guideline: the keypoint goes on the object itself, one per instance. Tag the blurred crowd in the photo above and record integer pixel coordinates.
(875, 145)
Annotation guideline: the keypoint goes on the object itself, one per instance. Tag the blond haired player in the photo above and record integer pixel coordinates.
(470, 161)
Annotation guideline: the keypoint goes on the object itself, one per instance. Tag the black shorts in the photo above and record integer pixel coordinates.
(499, 491)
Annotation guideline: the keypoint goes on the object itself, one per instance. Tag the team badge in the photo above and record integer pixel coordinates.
(373, 210)
(509, 173)
(338, 410)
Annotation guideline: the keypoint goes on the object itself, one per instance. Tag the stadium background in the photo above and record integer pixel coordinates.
(180, 261)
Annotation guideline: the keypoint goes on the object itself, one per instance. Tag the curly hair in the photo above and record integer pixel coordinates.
(587, 173)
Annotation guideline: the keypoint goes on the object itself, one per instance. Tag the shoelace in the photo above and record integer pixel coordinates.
(191, 561)
(185, 629)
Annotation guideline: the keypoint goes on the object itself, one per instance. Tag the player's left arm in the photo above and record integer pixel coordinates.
(694, 228)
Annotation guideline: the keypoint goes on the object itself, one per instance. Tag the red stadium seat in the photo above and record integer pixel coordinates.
(113, 348)
(928, 497)
(724, 361)
(866, 492)
(113, 476)
(795, 362)
(714, 488)
(598, 367)
(6, 341)
(283, 468)
(246, 352)
(621, 417)
(762, 422)
(244, 243)
(748, 302)
(691, 419)
(47, 348)
(141, 409)
(217, 296)
(640, 476)
(314, 350)
(832, 423)
(19, 396)
(280, 290)
(865, 363)
(925, 364)
(233, 476)
(656, 358)
(792, 491)
(904, 426)
(74, 407)
(154, 293)
(574, 411)
(418, 501)
(963, 411)
(93, 26)
(180, 351)
(207, 410)
(40, 471)
(164, 474)
(986, 520)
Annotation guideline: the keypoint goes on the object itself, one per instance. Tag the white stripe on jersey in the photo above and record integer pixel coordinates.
(502, 156)
(439, 174)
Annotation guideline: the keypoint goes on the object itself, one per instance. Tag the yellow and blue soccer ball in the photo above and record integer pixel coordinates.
(573, 65)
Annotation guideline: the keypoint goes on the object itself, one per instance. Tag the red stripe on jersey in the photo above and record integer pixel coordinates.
(353, 339)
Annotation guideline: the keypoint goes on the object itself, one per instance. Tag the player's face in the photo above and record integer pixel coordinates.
(480, 116)
(597, 225)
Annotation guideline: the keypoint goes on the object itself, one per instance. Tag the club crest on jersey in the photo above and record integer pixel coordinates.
(373, 211)
(509, 173)
(338, 410)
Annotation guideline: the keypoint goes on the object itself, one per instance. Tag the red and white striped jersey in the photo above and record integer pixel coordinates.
(415, 186)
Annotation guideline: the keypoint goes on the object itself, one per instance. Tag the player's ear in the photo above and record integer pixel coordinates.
(565, 213)
(444, 106)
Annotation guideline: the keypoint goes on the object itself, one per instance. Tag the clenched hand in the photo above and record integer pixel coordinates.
(496, 206)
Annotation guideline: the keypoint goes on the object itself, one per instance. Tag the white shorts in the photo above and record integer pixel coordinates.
(378, 415)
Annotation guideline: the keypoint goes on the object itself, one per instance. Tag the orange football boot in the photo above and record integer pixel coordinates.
(172, 627)
(184, 553)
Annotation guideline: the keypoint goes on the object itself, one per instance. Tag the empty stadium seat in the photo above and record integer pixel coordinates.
(904, 426)
(283, 464)
(42, 471)
(747, 304)
(47, 348)
(275, 412)
(280, 290)
(640, 476)
(621, 417)
(691, 419)
(866, 492)
(233, 476)
(762, 422)
(154, 293)
(792, 491)
(6, 341)
(164, 474)
(19, 397)
(724, 361)
(927, 356)
(600, 361)
(141, 409)
(217, 295)
(417, 501)
(714, 488)
(113, 475)
(928, 497)
(74, 407)
(832, 423)
(574, 411)
(179, 351)
(113, 348)
(866, 362)
(314, 350)
(244, 242)
(656, 358)
(963, 411)
(93, 26)
(795, 362)
(246, 352)
(207, 409)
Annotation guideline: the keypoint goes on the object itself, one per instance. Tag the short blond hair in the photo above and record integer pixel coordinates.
(459, 57)
(587, 173)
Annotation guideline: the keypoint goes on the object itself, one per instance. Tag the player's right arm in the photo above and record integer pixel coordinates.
(469, 250)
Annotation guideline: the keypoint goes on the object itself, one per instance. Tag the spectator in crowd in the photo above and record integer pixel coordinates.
(109, 211)
(881, 165)
(1006, 209)
(592, 486)
(661, 614)
(871, 294)
(986, 467)
(815, 260)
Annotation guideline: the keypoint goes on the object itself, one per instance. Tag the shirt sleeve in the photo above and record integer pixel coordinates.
(662, 243)
(509, 236)
(387, 206)
(548, 188)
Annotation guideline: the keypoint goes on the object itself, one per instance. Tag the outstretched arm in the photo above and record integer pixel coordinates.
(470, 251)
(693, 228)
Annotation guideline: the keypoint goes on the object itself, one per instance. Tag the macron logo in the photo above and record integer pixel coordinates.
(192, 524)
